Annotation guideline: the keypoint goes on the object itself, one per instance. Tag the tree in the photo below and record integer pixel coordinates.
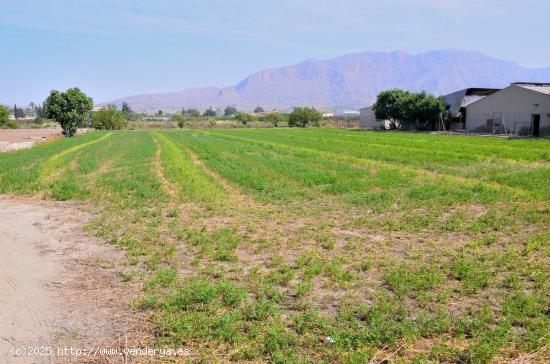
(40, 114)
(193, 113)
(179, 118)
(5, 121)
(274, 118)
(244, 118)
(209, 112)
(126, 108)
(230, 110)
(109, 118)
(18, 112)
(70, 109)
(403, 108)
(258, 109)
(4, 115)
(304, 116)
(160, 113)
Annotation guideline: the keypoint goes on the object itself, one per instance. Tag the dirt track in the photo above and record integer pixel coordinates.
(14, 139)
(59, 287)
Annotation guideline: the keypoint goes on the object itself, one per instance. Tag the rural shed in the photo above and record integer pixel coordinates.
(459, 100)
(523, 108)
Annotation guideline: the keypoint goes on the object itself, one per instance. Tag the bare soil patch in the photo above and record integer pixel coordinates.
(14, 139)
(59, 287)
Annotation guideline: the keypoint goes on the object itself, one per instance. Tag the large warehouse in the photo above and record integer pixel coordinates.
(523, 108)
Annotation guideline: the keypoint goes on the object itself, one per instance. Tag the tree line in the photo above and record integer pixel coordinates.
(73, 109)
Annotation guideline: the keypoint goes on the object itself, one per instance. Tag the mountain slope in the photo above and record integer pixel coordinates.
(353, 80)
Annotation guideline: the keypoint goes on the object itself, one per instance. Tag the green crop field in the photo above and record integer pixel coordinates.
(319, 245)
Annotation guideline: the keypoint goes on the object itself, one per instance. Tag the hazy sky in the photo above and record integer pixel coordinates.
(119, 48)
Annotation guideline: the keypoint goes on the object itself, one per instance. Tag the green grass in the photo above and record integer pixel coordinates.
(319, 245)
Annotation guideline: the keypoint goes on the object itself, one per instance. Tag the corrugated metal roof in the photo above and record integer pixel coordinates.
(545, 88)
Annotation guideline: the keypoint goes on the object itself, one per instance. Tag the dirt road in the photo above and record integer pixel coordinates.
(59, 287)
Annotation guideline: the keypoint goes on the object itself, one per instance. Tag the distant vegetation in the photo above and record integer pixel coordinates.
(179, 119)
(109, 118)
(5, 121)
(410, 110)
(230, 110)
(209, 112)
(304, 116)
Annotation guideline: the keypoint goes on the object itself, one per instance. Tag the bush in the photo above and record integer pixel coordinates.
(109, 118)
(12, 124)
(179, 119)
(244, 118)
(193, 113)
(274, 118)
(302, 117)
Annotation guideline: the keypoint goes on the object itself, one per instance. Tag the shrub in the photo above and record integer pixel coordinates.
(109, 118)
(244, 118)
(179, 119)
(302, 117)
(274, 118)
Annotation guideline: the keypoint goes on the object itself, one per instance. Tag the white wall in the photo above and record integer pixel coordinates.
(515, 106)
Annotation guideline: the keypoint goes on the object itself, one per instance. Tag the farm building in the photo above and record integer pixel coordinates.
(523, 108)
(459, 100)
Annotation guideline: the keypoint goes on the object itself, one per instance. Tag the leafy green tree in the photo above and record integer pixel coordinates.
(109, 118)
(244, 118)
(230, 110)
(4, 115)
(179, 118)
(404, 108)
(302, 117)
(70, 109)
(160, 113)
(258, 109)
(193, 113)
(209, 112)
(274, 118)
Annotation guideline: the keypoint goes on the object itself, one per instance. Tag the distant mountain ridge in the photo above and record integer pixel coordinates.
(352, 80)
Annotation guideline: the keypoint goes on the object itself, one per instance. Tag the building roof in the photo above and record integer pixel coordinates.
(478, 91)
(462, 98)
(543, 88)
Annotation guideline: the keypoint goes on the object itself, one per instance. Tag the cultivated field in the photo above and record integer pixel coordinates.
(303, 245)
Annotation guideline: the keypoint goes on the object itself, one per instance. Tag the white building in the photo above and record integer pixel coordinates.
(459, 100)
(523, 108)
(346, 113)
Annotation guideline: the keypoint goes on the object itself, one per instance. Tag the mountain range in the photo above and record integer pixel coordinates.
(349, 81)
